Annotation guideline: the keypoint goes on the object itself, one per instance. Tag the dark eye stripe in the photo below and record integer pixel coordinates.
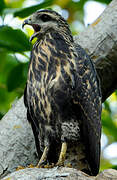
(45, 17)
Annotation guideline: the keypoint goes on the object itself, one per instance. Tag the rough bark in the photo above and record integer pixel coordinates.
(99, 40)
(16, 140)
(59, 174)
(48, 174)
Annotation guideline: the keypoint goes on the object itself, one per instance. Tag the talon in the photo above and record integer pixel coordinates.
(68, 165)
(49, 165)
(52, 165)
(19, 168)
(62, 155)
(43, 159)
(31, 166)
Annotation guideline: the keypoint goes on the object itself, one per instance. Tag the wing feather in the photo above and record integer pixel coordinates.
(32, 120)
(88, 95)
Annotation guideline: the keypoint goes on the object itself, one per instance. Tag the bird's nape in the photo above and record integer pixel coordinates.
(46, 20)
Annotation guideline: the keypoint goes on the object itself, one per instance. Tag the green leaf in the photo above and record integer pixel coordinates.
(104, 1)
(13, 39)
(107, 106)
(1, 115)
(2, 5)
(14, 3)
(22, 13)
(7, 63)
(6, 100)
(109, 126)
(116, 92)
(16, 77)
(114, 167)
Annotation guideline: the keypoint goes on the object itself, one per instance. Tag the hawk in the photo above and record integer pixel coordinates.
(62, 94)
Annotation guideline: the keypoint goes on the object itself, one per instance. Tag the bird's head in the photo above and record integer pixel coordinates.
(45, 20)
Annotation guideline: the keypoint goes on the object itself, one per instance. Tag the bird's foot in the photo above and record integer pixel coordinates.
(68, 165)
(62, 155)
(45, 165)
(22, 167)
(31, 166)
(49, 165)
(43, 159)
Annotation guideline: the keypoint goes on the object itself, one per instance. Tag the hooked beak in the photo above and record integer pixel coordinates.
(24, 23)
(36, 28)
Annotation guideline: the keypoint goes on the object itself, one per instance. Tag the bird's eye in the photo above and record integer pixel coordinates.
(45, 18)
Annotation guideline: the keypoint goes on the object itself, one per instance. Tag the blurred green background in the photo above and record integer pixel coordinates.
(15, 52)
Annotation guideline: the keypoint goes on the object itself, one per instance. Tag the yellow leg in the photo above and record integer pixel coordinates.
(62, 154)
(43, 157)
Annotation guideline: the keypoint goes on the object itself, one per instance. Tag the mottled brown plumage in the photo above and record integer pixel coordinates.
(62, 95)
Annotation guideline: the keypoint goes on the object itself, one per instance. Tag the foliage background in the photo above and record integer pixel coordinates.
(15, 52)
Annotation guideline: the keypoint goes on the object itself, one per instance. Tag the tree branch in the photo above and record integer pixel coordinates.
(100, 42)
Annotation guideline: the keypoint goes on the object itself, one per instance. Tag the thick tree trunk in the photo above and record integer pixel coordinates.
(100, 41)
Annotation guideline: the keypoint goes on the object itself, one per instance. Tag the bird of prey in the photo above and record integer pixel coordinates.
(62, 94)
